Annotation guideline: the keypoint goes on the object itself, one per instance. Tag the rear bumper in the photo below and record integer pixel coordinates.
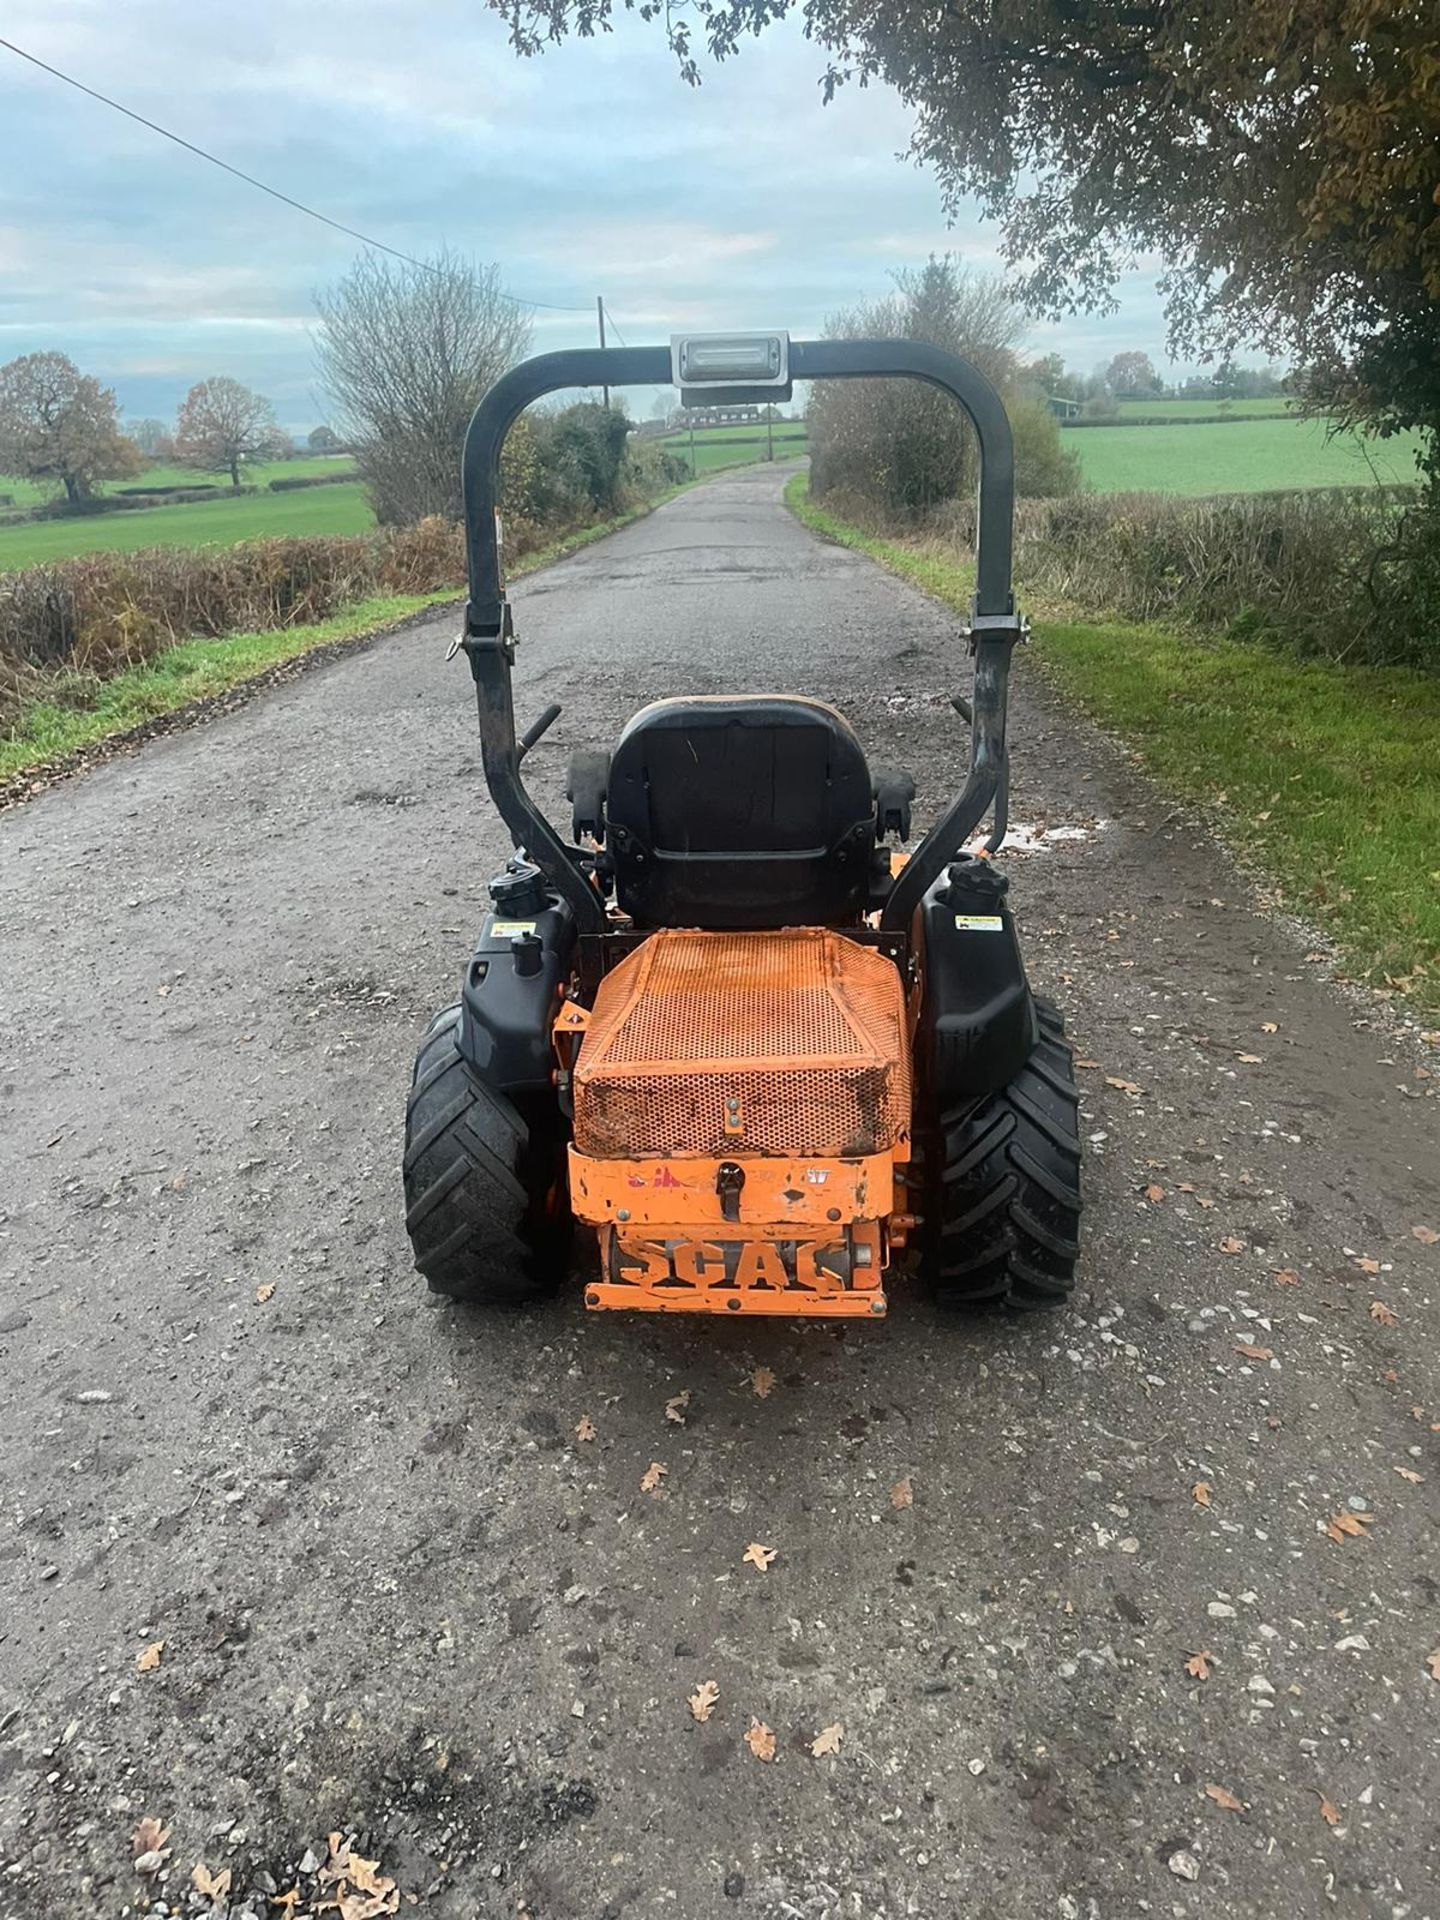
(803, 1237)
(765, 1269)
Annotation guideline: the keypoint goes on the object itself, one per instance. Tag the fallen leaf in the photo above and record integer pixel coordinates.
(762, 1380)
(675, 1409)
(1086, 1063)
(1223, 1797)
(584, 1428)
(1409, 1473)
(1253, 1353)
(760, 1740)
(757, 1556)
(1231, 1245)
(1200, 1493)
(1432, 1661)
(1201, 1201)
(148, 1658)
(1367, 1265)
(1329, 1812)
(213, 1886)
(902, 1494)
(1122, 1086)
(1346, 1524)
(148, 1837)
(1286, 1277)
(652, 1476)
(1427, 1236)
(1198, 1665)
(1268, 1026)
(264, 1292)
(704, 1699)
(1154, 1194)
(366, 1877)
(288, 1900)
(1251, 1059)
(1186, 1186)
(368, 1906)
(827, 1740)
(1386, 1316)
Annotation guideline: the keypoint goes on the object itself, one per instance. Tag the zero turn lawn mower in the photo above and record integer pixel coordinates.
(760, 1052)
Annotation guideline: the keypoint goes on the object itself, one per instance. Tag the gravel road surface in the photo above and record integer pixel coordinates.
(1106, 1661)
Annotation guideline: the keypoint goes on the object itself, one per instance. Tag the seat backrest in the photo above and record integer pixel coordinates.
(752, 810)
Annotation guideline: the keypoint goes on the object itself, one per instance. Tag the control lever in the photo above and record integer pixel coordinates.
(537, 730)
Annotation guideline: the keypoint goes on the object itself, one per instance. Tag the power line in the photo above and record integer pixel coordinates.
(614, 328)
(250, 180)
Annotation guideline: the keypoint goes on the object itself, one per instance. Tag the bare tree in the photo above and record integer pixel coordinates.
(59, 424)
(221, 424)
(406, 354)
(149, 435)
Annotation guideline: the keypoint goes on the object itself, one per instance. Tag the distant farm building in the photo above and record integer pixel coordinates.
(717, 417)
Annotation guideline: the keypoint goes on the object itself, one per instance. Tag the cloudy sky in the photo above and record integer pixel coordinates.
(592, 169)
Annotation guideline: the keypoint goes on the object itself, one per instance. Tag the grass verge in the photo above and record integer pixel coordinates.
(1326, 777)
(82, 712)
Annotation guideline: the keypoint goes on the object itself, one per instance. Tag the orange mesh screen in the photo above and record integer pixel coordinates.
(803, 1030)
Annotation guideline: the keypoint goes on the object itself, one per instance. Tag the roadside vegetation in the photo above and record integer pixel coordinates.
(1323, 772)
(897, 443)
(95, 694)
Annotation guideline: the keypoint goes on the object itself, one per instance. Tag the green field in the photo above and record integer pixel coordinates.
(1254, 456)
(717, 447)
(202, 523)
(29, 493)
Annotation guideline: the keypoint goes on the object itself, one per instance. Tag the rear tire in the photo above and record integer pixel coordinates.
(1003, 1198)
(486, 1205)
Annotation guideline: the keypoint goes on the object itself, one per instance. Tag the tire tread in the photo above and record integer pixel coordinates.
(476, 1183)
(1004, 1201)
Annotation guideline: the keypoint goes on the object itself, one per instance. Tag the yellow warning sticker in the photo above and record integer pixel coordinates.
(979, 922)
(512, 929)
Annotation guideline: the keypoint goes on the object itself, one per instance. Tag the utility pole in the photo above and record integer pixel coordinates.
(600, 316)
(769, 434)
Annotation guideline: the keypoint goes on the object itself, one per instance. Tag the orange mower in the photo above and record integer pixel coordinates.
(729, 1025)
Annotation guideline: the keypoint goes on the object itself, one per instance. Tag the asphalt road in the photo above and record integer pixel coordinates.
(399, 1598)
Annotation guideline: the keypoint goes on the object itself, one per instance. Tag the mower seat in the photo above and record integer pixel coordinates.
(745, 811)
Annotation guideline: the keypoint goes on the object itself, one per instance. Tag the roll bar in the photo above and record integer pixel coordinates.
(995, 626)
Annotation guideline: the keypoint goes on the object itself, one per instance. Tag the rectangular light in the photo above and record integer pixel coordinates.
(730, 359)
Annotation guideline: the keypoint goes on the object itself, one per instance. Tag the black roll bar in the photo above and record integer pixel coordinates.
(995, 626)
